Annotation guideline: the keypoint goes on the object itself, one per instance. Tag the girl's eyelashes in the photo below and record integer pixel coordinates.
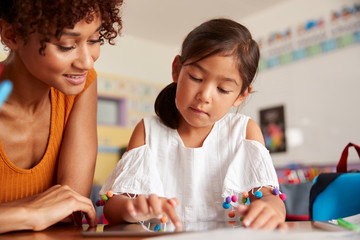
(223, 90)
(194, 78)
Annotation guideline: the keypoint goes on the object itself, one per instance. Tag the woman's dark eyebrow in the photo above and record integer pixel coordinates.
(76, 34)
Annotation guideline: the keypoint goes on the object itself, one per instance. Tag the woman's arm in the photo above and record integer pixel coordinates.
(79, 146)
(45, 209)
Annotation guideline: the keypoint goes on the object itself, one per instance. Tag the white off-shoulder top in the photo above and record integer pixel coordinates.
(227, 164)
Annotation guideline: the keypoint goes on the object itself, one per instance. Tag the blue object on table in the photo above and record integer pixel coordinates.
(5, 90)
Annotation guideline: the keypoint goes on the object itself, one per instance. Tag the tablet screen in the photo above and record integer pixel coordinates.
(153, 228)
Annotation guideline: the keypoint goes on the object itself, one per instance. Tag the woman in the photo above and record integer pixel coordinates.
(48, 139)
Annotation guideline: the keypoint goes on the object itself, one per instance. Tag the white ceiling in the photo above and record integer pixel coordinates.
(169, 21)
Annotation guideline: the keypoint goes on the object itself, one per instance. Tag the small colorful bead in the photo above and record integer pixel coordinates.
(275, 191)
(233, 198)
(231, 214)
(226, 205)
(228, 199)
(245, 194)
(157, 227)
(258, 194)
(104, 197)
(241, 218)
(110, 194)
(282, 196)
(231, 223)
(244, 200)
(163, 219)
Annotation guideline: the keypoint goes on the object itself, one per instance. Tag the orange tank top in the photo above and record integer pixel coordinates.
(17, 183)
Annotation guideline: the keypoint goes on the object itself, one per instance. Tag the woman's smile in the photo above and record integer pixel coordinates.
(75, 79)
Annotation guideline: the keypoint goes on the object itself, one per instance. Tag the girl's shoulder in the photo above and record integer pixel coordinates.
(234, 120)
(153, 123)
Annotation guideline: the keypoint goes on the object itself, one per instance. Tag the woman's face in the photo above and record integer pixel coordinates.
(207, 89)
(66, 61)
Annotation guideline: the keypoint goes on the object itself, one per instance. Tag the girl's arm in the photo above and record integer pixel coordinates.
(253, 132)
(79, 146)
(138, 136)
(269, 211)
(122, 208)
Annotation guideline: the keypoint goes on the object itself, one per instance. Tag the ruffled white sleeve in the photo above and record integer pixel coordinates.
(135, 173)
(251, 167)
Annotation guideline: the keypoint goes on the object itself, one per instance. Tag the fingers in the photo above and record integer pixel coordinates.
(142, 208)
(155, 204)
(251, 214)
(259, 215)
(242, 209)
(77, 204)
(159, 206)
(174, 202)
(142, 205)
(57, 203)
(169, 209)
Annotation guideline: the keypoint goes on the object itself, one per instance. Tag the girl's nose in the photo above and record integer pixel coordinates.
(205, 93)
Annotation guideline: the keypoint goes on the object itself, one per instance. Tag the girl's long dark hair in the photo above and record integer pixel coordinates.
(216, 36)
(165, 106)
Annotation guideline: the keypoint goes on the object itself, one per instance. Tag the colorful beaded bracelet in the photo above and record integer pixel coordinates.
(232, 201)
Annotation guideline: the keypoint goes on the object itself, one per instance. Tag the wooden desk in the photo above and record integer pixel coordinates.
(73, 233)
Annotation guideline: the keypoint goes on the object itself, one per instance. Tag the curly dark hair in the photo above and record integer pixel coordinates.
(212, 37)
(49, 18)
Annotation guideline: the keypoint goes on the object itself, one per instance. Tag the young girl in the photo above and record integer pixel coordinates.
(188, 160)
(48, 123)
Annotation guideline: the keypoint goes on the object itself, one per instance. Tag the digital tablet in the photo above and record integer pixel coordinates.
(153, 228)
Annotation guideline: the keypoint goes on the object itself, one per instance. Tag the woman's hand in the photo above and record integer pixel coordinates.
(141, 209)
(45, 209)
(57, 203)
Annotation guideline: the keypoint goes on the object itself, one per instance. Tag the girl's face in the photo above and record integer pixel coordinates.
(207, 89)
(66, 61)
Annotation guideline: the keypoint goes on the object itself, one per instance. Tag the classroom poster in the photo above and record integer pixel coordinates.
(272, 125)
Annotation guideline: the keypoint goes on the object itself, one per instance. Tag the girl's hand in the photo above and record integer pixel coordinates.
(142, 208)
(261, 215)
